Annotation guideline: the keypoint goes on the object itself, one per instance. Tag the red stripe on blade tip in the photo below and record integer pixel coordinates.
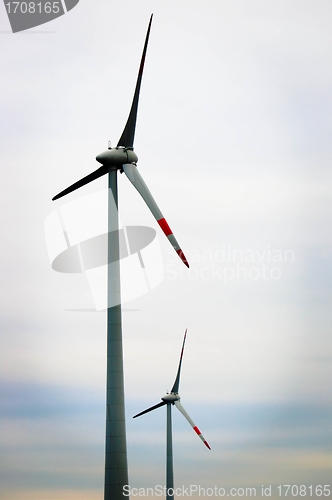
(196, 429)
(182, 257)
(164, 226)
(207, 445)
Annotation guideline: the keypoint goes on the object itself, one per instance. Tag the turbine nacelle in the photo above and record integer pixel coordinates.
(117, 157)
(171, 398)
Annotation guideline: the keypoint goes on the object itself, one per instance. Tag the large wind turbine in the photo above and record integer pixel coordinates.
(173, 398)
(121, 158)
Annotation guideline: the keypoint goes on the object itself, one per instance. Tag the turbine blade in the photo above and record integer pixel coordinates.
(196, 429)
(91, 177)
(137, 181)
(175, 387)
(150, 409)
(128, 134)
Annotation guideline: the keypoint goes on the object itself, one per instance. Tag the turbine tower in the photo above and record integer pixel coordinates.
(121, 158)
(173, 398)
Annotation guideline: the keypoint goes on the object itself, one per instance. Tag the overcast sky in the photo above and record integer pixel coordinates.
(234, 141)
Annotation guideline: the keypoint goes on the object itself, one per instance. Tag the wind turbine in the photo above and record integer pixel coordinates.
(173, 398)
(121, 158)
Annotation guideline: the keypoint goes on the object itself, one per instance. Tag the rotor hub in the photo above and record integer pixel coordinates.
(171, 398)
(117, 157)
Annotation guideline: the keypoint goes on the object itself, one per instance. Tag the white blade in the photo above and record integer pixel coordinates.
(196, 429)
(137, 181)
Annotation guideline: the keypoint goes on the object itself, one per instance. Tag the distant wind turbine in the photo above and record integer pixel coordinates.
(121, 158)
(173, 398)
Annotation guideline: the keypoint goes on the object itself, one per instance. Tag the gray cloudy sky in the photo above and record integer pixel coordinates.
(234, 141)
